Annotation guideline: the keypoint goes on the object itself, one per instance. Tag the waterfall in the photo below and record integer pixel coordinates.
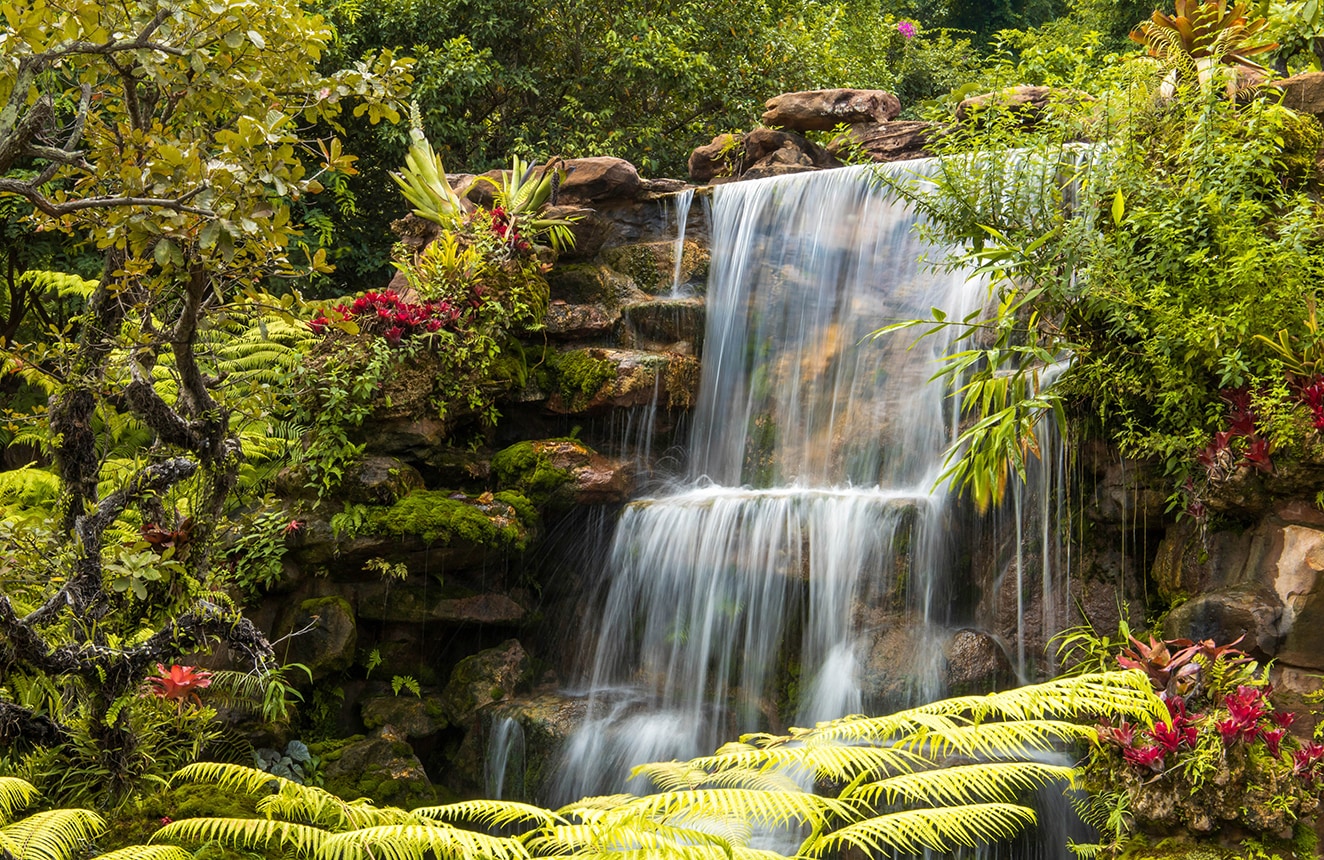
(684, 199)
(754, 593)
(505, 757)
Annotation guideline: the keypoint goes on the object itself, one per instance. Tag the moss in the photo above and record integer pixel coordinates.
(136, 821)
(580, 374)
(435, 517)
(583, 283)
(531, 471)
(524, 507)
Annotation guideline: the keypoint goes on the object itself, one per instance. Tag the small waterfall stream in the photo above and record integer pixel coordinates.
(745, 597)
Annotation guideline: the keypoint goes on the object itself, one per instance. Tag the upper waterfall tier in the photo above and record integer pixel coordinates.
(804, 267)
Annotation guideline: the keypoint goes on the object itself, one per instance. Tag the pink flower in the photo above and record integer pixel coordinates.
(906, 29)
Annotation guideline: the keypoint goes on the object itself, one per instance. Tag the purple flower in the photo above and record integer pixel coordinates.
(905, 28)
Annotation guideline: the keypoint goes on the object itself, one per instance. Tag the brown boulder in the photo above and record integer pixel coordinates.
(887, 141)
(592, 180)
(756, 154)
(1029, 103)
(1303, 93)
(826, 109)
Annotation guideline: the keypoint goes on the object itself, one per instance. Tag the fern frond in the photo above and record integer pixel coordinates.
(1121, 693)
(147, 852)
(317, 806)
(1003, 740)
(15, 794)
(913, 831)
(674, 776)
(492, 813)
(245, 834)
(230, 777)
(1002, 782)
(419, 842)
(592, 808)
(773, 808)
(58, 834)
(839, 762)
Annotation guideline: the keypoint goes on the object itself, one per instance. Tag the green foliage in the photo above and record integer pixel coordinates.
(952, 773)
(1186, 236)
(528, 468)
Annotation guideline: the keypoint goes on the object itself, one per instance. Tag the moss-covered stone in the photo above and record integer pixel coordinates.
(587, 283)
(436, 517)
(415, 717)
(531, 468)
(382, 767)
(652, 265)
(483, 678)
(136, 821)
(329, 636)
(580, 373)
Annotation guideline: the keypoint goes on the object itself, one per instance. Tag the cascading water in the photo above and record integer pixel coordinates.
(683, 201)
(745, 595)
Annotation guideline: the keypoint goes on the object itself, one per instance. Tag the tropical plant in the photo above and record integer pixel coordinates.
(1210, 30)
(56, 834)
(173, 141)
(423, 182)
(1120, 275)
(951, 773)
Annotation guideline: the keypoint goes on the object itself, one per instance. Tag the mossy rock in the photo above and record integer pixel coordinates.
(588, 283)
(636, 378)
(382, 766)
(436, 517)
(540, 471)
(330, 637)
(136, 821)
(414, 716)
(484, 678)
(652, 265)
(579, 374)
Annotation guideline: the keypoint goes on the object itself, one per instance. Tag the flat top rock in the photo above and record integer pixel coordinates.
(826, 109)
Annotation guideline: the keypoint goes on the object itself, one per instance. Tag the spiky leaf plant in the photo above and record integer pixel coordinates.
(941, 776)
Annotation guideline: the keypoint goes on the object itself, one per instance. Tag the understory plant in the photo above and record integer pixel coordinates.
(1222, 763)
(958, 772)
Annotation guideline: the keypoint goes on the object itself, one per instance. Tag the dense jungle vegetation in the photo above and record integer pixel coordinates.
(194, 200)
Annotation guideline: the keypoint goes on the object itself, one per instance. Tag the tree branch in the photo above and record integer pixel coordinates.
(56, 210)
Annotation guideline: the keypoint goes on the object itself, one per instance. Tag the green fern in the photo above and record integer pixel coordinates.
(15, 794)
(57, 834)
(914, 831)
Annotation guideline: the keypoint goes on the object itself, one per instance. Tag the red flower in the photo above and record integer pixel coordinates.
(180, 683)
(1272, 739)
(1150, 757)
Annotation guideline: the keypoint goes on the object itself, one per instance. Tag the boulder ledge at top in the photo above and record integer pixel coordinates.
(1029, 103)
(826, 109)
(1303, 93)
(592, 180)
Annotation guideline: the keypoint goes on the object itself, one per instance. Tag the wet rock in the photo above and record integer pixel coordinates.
(484, 678)
(722, 158)
(887, 141)
(823, 110)
(382, 766)
(323, 635)
(665, 321)
(588, 283)
(597, 379)
(1028, 103)
(573, 322)
(411, 716)
(1252, 611)
(1189, 562)
(652, 265)
(976, 664)
(379, 480)
(1303, 93)
(1128, 493)
(904, 663)
(408, 438)
(547, 720)
(594, 180)
(417, 603)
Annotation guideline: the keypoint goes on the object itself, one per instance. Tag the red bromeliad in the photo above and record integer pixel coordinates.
(385, 313)
(180, 683)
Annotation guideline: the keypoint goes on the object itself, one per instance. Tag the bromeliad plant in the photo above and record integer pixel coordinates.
(1222, 758)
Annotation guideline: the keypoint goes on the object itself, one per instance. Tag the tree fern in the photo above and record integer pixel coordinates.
(914, 831)
(58, 834)
(15, 794)
(1004, 782)
(147, 852)
(248, 834)
(491, 813)
(419, 842)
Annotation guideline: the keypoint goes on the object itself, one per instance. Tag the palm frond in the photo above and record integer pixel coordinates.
(246, 834)
(15, 794)
(58, 834)
(913, 831)
(419, 842)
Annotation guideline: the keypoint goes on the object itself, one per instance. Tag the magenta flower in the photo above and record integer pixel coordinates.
(905, 28)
